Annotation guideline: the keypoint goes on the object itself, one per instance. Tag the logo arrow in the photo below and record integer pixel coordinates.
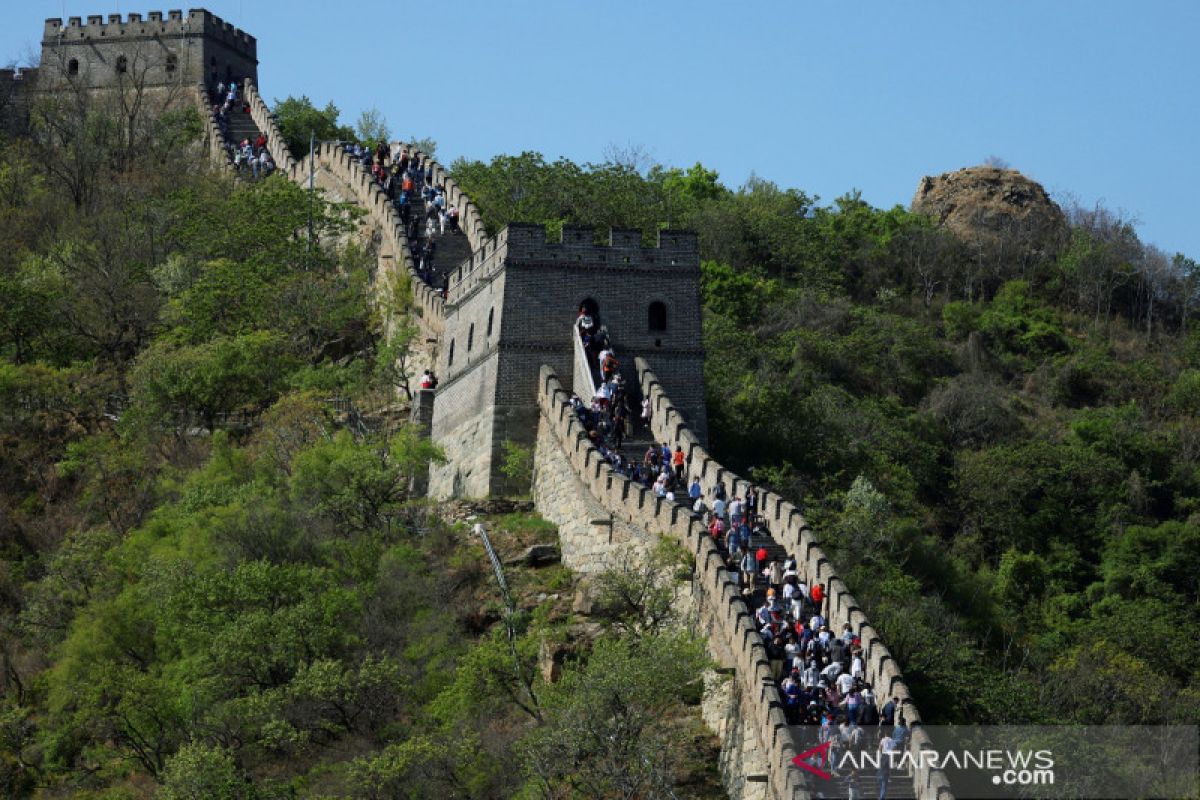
(821, 750)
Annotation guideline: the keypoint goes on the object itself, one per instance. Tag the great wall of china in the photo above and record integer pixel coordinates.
(524, 292)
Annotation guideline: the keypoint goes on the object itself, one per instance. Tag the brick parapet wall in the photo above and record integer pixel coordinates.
(213, 138)
(723, 615)
(266, 122)
(789, 528)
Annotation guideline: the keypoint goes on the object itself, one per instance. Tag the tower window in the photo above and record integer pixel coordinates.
(172, 62)
(656, 316)
(73, 66)
(450, 360)
(122, 65)
(491, 315)
(471, 337)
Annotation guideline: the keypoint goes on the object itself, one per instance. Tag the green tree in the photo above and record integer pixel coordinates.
(171, 383)
(372, 127)
(202, 772)
(359, 485)
(298, 118)
(603, 734)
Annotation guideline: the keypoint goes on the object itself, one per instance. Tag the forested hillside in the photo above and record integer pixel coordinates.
(214, 582)
(996, 434)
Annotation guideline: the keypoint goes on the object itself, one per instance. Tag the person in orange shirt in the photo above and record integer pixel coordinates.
(818, 595)
(678, 460)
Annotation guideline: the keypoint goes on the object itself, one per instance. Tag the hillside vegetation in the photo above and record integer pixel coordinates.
(996, 435)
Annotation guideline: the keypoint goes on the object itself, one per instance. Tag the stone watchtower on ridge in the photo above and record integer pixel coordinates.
(153, 51)
(512, 307)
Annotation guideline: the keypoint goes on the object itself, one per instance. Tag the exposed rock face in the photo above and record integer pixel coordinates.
(985, 202)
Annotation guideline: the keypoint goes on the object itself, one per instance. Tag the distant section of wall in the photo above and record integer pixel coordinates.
(789, 528)
(722, 615)
(265, 120)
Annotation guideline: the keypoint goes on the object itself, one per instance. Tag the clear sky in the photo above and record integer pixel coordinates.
(1095, 98)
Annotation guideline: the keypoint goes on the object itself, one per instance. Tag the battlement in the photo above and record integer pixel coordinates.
(23, 74)
(198, 22)
(525, 244)
(670, 243)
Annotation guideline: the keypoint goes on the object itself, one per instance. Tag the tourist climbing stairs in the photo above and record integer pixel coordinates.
(241, 125)
(450, 249)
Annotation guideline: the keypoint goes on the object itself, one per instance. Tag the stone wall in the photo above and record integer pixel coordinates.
(464, 414)
(722, 615)
(789, 528)
(588, 533)
(214, 140)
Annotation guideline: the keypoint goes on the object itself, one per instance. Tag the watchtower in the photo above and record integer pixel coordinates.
(512, 307)
(152, 51)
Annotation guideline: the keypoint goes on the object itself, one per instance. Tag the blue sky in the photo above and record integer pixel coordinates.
(1097, 99)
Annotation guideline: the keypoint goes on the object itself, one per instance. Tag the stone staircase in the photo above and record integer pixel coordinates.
(241, 124)
(450, 249)
(865, 784)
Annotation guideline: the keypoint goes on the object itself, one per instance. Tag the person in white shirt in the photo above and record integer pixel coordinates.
(810, 675)
(797, 605)
(845, 683)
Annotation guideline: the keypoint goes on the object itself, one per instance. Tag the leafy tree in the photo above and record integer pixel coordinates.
(170, 383)
(358, 486)
(299, 119)
(603, 734)
(639, 593)
(202, 772)
(372, 127)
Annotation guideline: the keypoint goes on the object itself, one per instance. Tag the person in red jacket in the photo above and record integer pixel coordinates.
(817, 594)
(761, 558)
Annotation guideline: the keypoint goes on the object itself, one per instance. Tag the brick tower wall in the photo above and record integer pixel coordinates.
(159, 50)
(531, 290)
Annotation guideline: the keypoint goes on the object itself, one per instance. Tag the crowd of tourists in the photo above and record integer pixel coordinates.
(248, 158)
(820, 673)
(407, 180)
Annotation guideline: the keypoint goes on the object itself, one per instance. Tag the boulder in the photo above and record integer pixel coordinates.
(984, 203)
(585, 598)
(538, 555)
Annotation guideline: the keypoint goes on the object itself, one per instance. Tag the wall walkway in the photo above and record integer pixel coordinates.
(789, 528)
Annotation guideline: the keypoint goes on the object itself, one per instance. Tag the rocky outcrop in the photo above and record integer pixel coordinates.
(985, 203)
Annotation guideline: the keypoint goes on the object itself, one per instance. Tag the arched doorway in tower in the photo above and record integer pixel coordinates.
(591, 308)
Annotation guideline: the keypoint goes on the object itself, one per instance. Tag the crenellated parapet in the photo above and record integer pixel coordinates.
(155, 49)
(524, 245)
(114, 27)
(470, 219)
